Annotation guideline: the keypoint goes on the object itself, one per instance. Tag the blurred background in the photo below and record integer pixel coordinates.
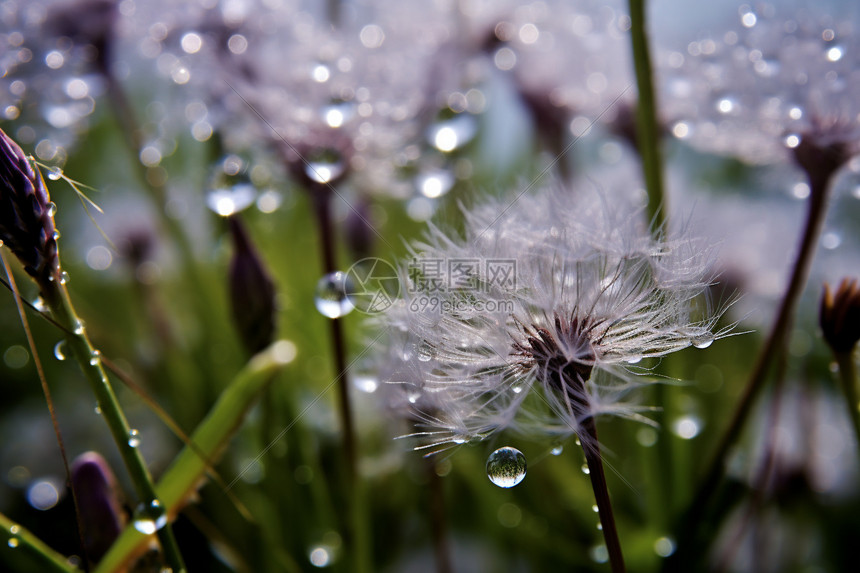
(182, 116)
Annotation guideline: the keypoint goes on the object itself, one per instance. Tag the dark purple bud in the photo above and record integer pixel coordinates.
(98, 503)
(840, 315)
(252, 292)
(26, 213)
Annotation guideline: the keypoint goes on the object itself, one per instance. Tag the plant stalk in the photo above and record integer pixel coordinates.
(184, 475)
(848, 378)
(13, 537)
(773, 347)
(57, 298)
(647, 126)
(591, 448)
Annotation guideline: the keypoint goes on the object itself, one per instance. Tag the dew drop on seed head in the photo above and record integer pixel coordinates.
(55, 173)
(133, 438)
(506, 467)
(60, 350)
(425, 351)
(331, 295)
(703, 340)
(52, 209)
(557, 449)
(230, 188)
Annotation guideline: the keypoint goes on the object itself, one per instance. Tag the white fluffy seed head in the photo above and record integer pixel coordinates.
(546, 345)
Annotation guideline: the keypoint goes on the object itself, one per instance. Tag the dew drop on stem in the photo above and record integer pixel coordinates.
(331, 297)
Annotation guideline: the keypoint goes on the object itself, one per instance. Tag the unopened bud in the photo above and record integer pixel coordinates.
(252, 292)
(98, 502)
(840, 315)
(26, 214)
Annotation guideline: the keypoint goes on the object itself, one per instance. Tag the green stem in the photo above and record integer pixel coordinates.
(773, 347)
(647, 126)
(57, 297)
(848, 378)
(16, 539)
(183, 476)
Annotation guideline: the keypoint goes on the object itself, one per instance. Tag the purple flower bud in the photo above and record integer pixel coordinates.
(98, 502)
(252, 292)
(26, 214)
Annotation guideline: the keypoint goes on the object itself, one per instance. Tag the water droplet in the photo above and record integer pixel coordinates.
(585, 469)
(435, 183)
(39, 303)
(366, 382)
(324, 171)
(95, 358)
(595, 509)
(517, 389)
(12, 543)
(506, 467)
(59, 350)
(834, 54)
(52, 208)
(452, 133)
(15, 529)
(337, 113)
(664, 546)
(230, 188)
(79, 328)
(425, 352)
(64, 277)
(634, 360)
(331, 295)
(702, 340)
(687, 427)
(149, 518)
(557, 449)
(599, 526)
(413, 395)
(599, 554)
(320, 556)
(133, 438)
(55, 173)
(98, 410)
(792, 141)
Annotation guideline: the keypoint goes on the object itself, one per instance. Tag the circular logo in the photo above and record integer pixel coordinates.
(372, 285)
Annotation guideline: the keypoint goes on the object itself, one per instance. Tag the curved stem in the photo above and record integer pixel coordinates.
(773, 346)
(184, 475)
(57, 298)
(591, 447)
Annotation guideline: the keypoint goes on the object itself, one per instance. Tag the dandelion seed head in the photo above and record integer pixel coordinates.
(551, 346)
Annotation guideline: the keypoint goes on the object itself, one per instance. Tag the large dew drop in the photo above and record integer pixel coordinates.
(702, 340)
(506, 467)
(230, 188)
(149, 518)
(331, 295)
